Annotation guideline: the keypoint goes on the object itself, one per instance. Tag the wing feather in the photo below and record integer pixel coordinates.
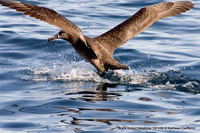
(140, 21)
(45, 14)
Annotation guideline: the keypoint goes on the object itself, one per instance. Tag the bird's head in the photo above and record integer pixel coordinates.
(60, 35)
(72, 38)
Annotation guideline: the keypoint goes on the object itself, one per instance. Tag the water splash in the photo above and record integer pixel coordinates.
(71, 71)
(82, 71)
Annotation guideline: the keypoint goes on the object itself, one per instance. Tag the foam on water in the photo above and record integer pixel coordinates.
(83, 71)
(73, 71)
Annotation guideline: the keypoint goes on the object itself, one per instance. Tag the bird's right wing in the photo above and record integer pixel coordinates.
(47, 15)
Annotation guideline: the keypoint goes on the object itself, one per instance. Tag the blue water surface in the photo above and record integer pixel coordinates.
(48, 88)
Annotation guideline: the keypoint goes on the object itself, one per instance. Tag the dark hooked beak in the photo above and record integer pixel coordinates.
(53, 38)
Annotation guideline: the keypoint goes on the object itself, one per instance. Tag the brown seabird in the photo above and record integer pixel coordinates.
(99, 50)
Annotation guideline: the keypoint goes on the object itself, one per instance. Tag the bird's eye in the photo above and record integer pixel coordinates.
(60, 33)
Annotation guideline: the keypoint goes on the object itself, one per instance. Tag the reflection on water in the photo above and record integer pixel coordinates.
(100, 95)
(105, 105)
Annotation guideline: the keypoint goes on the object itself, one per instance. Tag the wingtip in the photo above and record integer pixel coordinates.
(190, 4)
(186, 3)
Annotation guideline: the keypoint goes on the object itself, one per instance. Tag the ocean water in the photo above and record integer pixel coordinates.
(48, 88)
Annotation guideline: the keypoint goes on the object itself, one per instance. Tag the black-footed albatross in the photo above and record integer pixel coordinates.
(99, 50)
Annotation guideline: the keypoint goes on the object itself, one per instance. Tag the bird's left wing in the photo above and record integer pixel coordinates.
(140, 21)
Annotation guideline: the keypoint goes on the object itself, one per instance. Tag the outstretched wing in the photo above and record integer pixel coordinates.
(47, 15)
(140, 21)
